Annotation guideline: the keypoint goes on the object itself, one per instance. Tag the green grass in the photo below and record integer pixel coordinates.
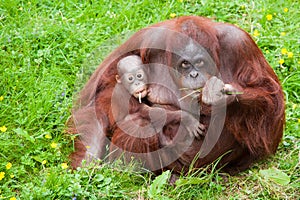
(46, 45)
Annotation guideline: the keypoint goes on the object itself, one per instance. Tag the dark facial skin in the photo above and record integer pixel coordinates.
(193, 67)
(132, 76)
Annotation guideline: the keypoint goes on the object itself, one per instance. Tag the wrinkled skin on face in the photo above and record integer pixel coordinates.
(132, 76)
(193, 66)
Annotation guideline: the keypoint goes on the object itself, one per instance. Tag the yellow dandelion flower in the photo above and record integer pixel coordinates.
(284, 51)
(3, 129)
(64, 165)
(285, 10)
(48, 136)
(1, 98)
(12, 198)
(269, 17)
(298, 120)
(255, 33)
(281, 61)
(283, 33)
(8, 165)
(12, 176)
(180, 1)
(2, 175)
(172, 15)
(267, 51)
(44, 162)
(53, 145)
(290, 54)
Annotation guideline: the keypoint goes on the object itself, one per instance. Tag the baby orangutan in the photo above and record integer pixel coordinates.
(132, 79)
(131, 74)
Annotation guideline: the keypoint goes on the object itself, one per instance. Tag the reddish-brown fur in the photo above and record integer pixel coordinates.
(254, 120)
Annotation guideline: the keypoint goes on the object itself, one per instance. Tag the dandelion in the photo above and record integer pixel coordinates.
(12, 176)
(285, 9)
(281, 61)
(53, 145)
(3, 129)
(48, 136)
(44, 162)
(1, 98)
(290, 54)
(12, 198)
(267, 51)
(180, 1)
(8, 165)
(64, 165)
(269, 17)
(299, 120)
(255, 33)
(284, 51)
(283, 33)
(172, 15)
(2, 174)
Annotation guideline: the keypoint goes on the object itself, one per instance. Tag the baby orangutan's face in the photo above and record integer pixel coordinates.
(133, 77)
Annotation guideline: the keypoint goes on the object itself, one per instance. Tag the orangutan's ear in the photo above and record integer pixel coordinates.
(118, 79)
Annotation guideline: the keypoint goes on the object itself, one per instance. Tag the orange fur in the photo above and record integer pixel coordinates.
(254, 121)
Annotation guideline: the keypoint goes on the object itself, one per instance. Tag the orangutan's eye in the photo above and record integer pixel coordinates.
(185, 64)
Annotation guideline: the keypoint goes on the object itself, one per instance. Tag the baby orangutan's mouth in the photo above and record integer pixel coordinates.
(140, 93)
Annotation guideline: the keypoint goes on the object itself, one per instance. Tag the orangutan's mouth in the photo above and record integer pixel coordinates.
(141, 93)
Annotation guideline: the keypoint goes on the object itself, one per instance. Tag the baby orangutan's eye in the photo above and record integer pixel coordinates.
(139, 76)
(130, 78)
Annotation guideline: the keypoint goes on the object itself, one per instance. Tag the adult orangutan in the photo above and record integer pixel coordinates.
(215, 65)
